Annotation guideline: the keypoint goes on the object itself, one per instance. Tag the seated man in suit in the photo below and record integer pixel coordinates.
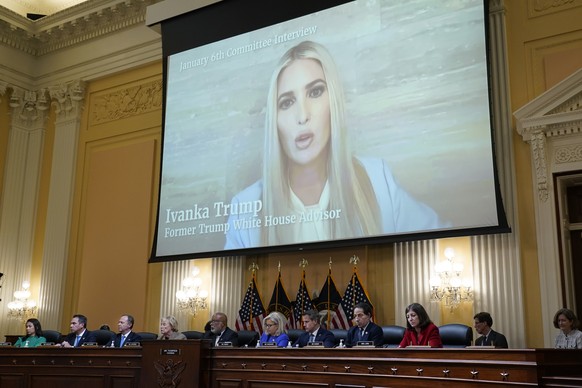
(220, 332)
(489, 337)
(79, 333)
(313, 331)
(126, 334)
(365, 329)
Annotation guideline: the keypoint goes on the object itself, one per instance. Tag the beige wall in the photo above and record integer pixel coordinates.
(545, 46)
(115, 201)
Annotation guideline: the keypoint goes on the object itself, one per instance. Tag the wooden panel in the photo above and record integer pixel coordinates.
(66, 380)
(406, 368)
(282, 384)
(15, 380)
(122, 382)
(225, 383)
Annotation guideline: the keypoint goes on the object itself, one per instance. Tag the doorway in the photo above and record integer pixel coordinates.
(570, 233)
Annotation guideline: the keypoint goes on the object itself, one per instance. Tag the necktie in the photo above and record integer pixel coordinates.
(217, 340)
(311, 338)
(122, 340)
(77, 339)
(362, 334)
(484, 343)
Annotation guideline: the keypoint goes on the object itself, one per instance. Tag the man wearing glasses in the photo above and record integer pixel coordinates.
(219, 331)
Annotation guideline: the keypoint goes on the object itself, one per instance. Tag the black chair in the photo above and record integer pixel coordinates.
(393, 335)
(103, 337)
(339, 334)
(193, 334)
(52, 336)
(456, 335)
(147, 336)
(248, 338)
(294, 334)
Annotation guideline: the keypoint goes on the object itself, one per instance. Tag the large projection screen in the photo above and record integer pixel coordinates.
(351, 123)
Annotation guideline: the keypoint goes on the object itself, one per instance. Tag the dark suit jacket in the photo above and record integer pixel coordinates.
(494, 338)
(373, 333)
(323, 335)
(131, 337)
(87, 337)
(227, 336)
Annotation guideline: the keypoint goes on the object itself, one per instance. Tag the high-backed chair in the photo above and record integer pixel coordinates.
(456, 335)
(147, 336)
(294, 334)
(393, 335)
(339, 334)
(104, 337)
(193, 334)
(52, 336)
(248, 338)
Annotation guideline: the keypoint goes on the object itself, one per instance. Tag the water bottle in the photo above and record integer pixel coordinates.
(112, 344)
(341, 344)
(289, 345)
(26, 344)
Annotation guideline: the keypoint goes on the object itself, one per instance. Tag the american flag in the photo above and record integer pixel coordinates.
(354, 294)
(251, 313)
(280, 301)
(303, 303)
(330, 299)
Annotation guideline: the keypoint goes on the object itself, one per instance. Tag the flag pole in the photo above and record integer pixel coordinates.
(253, 268)
(329, 295)
(303, 263)
(354, 260)
(277, 287)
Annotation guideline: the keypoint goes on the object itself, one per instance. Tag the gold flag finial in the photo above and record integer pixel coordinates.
(303, 263)
(330, 263)
(279, 266)
(254, 267)
(354, 260)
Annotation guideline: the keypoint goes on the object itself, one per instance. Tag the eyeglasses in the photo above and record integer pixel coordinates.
(215, 321)
(270, 324)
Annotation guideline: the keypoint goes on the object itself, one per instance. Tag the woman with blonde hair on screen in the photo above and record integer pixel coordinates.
(313, 188)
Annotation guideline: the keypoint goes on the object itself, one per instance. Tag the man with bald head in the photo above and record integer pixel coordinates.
(220, 332)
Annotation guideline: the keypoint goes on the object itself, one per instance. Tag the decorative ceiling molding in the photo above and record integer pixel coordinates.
(72, 26)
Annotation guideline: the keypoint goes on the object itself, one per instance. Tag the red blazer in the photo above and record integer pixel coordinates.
(428, 336)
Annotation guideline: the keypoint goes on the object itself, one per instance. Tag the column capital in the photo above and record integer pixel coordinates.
(28, 107)
(68, 99)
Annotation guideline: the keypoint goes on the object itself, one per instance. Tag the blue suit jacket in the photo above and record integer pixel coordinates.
(373, 333)
(87, 337)
(323, 335)
(131, 337)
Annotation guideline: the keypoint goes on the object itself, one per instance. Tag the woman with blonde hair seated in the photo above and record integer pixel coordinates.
(169, 329)
(274, 330)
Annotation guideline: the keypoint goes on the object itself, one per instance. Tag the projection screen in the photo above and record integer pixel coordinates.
(329, 124)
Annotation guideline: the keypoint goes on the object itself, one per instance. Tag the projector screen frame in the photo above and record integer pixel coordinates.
(257, 22)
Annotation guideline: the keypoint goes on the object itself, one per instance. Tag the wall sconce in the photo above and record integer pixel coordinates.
(22, 308)
(191, 298)
(448, 286)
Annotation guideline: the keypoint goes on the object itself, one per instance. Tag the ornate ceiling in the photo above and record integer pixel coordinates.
(74, 22)
(39, 7)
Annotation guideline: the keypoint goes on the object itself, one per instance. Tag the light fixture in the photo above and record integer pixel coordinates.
(191, 298)
(22, 307)
(448, 286)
